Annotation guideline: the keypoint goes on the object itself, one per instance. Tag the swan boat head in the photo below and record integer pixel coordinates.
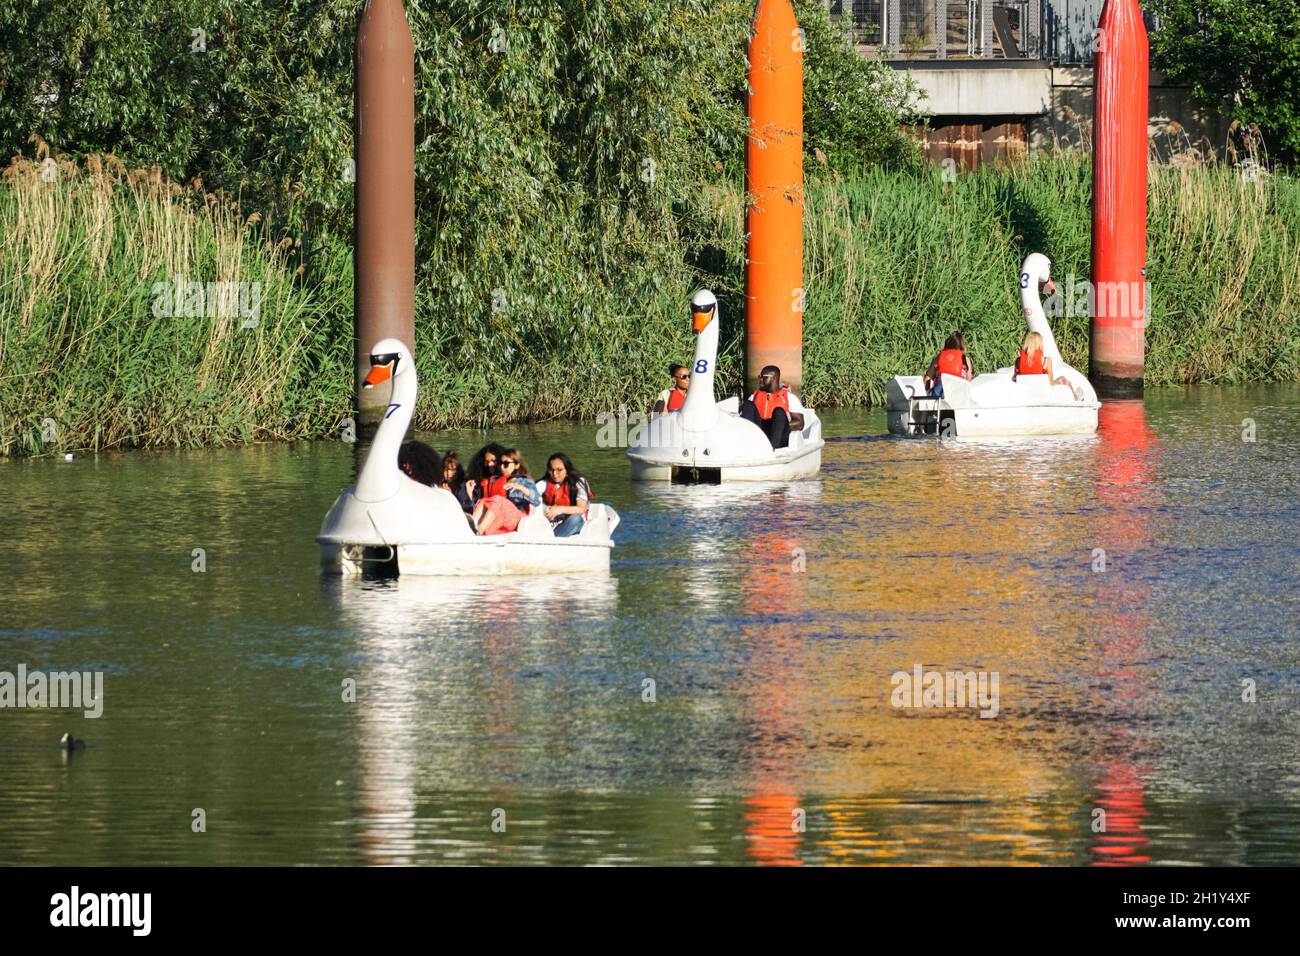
(388, 358)
(1036, 278)
(700, 411)
(390, 361)
(706, 437)
(385, 507)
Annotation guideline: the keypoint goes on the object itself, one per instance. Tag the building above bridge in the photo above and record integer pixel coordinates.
(1003, 77)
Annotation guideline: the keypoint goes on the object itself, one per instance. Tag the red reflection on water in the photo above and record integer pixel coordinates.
(1124, 483)
(1122, 796)
(1127, 446)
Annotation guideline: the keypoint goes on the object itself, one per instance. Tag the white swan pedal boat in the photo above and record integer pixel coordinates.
(388, 518)
(706, 441)
(995, 404)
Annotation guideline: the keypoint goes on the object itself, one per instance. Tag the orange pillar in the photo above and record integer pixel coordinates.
(774, 183)
(384, 217)
(1119, 202)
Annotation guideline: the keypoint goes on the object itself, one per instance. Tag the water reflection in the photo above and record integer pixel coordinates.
(418, 633)
(1128, 456)
(774, 598)
(770, 619)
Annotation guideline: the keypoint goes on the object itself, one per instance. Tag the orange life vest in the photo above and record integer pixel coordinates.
(494, 486)
(676, 399)
(1030, 363)
(769, 402)
(558, 495)
(951, 362)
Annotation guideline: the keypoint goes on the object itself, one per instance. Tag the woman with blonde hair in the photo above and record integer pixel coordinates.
(1032, 361)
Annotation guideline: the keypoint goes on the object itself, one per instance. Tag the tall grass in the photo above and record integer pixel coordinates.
(894, 260)
(82, 349)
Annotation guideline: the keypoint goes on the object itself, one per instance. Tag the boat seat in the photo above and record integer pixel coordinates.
(535, 525)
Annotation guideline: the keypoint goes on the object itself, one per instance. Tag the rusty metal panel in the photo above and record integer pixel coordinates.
(971, 145)
(1004, 142)
(960, 142)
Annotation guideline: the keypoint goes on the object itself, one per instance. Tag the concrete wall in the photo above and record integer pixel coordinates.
(988, 91)
(1056, 103)
(1176, 125)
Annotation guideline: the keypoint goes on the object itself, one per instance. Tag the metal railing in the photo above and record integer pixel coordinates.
(944, 29)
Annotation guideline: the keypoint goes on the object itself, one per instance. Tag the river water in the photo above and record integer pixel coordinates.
(1134, 592)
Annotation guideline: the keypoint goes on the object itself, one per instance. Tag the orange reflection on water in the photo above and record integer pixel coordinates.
(773, 586)
(771, 830)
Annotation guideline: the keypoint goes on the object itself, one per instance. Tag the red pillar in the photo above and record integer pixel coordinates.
(1119, 202)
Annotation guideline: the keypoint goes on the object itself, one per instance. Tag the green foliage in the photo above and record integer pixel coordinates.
(852, 105)
(569, 156)
(250, 96)
(255, 97)
(893, 261)
(1246, 53)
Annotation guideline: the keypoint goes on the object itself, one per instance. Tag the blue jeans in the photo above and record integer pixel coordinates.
(569, 525)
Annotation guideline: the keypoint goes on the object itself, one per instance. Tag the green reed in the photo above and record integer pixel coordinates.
(893, 262)
(553, 322)
(86, 358)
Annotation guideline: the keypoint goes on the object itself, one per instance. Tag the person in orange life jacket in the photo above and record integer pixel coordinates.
(1032, 361)
(952, 360)
(772, 408)
(481, 467)
(671, 399)
(565, 494)
(506, 497)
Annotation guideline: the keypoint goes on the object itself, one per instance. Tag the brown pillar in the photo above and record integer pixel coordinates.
(384, 218)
